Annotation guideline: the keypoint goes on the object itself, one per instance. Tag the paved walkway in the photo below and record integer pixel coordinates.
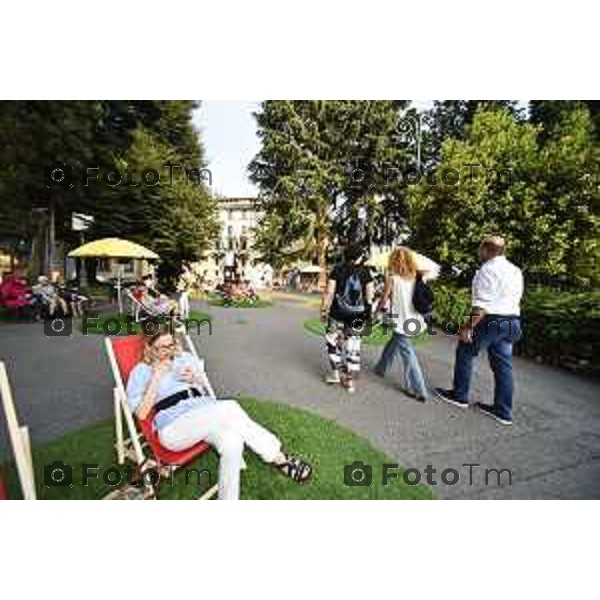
(553, 449)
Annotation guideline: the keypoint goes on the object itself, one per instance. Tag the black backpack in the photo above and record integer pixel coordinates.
(423, 298)
(351, 302)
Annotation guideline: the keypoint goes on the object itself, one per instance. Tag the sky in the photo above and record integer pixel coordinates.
(228, 132)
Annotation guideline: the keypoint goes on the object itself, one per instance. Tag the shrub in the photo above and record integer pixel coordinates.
(559, 327)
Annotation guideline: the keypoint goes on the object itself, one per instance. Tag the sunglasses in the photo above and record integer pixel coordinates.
(165, 346)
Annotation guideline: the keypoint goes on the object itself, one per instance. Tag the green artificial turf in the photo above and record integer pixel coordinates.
(12, 315)
(378, 337)
(326, 445)
(95, 325)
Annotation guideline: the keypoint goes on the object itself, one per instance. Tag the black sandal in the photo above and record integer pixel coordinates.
(294, 468)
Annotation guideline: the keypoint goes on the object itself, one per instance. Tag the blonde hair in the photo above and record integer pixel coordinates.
(150, 356)
(402, 262)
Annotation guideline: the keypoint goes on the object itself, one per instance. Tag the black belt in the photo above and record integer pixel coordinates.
(176, 398)
(487, 316)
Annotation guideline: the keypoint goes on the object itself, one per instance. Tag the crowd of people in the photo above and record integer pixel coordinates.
(348, 308)
(237, 291)
(42, 300)
(168, 383)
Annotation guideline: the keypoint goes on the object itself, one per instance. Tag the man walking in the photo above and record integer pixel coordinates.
(346, 308)
(494, 326)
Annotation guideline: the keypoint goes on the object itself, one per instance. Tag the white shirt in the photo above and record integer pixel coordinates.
(497, 287)
(403, 309)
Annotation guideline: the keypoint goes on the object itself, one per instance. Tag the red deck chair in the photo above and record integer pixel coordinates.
(143, 447)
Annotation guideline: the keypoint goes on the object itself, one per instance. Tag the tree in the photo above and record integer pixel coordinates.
(571, 171)
(106, 135)
(176, 217)
(549, 113)
(546, 205)
(35, 135)
(451, 118)
(307, 171)
(448, 221)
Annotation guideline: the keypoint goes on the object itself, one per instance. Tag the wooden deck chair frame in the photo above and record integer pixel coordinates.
(135, 446)
(19, 438)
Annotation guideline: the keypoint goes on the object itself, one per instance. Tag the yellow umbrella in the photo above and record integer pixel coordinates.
(114, 248)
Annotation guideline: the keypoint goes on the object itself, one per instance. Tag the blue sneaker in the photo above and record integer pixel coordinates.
(449, 396)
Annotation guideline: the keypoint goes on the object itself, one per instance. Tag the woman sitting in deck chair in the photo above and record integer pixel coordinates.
(172, 384)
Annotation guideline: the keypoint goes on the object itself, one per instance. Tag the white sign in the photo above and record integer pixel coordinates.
(81, 222)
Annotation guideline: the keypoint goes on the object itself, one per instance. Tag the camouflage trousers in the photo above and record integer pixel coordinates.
(343, 347)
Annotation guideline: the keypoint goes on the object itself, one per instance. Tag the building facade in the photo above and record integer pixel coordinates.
(234, 256)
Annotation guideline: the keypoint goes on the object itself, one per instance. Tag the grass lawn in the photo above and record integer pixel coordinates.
(321, 441)
(260, 303)
(96, 326)
(378, 337)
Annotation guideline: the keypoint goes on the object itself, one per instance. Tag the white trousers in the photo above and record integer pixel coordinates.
(226, 426)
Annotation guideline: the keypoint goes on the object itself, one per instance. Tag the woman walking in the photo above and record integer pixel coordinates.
(399, 289)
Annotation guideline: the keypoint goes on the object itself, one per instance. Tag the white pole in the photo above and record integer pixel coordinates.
(119, 299)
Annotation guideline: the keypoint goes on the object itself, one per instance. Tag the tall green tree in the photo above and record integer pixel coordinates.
(546, 204)
(105, 135)
(322, 173)
(550, 113)
(449, 119)
(570, 158)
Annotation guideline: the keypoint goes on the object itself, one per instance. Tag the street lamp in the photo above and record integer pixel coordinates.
(412, 127)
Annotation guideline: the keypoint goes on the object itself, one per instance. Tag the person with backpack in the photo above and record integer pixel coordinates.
(346, 308)
(411, 302)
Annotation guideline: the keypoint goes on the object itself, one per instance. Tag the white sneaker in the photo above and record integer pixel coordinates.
(333, 378)
(349, 385)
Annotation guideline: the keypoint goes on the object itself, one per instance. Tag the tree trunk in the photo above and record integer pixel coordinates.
(322, 259)
(51, 237)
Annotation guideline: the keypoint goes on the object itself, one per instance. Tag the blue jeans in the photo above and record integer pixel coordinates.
(496, 334)
(413, 377)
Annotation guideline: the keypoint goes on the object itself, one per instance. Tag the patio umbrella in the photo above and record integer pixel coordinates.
(114, 248)
(381, 259)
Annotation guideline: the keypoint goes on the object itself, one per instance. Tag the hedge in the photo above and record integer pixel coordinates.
(559, 328)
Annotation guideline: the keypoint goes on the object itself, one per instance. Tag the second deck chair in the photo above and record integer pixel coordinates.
(141, 310)
(142, 446)
(19, 438)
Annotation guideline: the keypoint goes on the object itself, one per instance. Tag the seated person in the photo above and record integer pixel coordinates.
(172, 384)
(150, 297)
(150, 286)
(15, 293)
(46, 295)
(251, 292)
(73, 301)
